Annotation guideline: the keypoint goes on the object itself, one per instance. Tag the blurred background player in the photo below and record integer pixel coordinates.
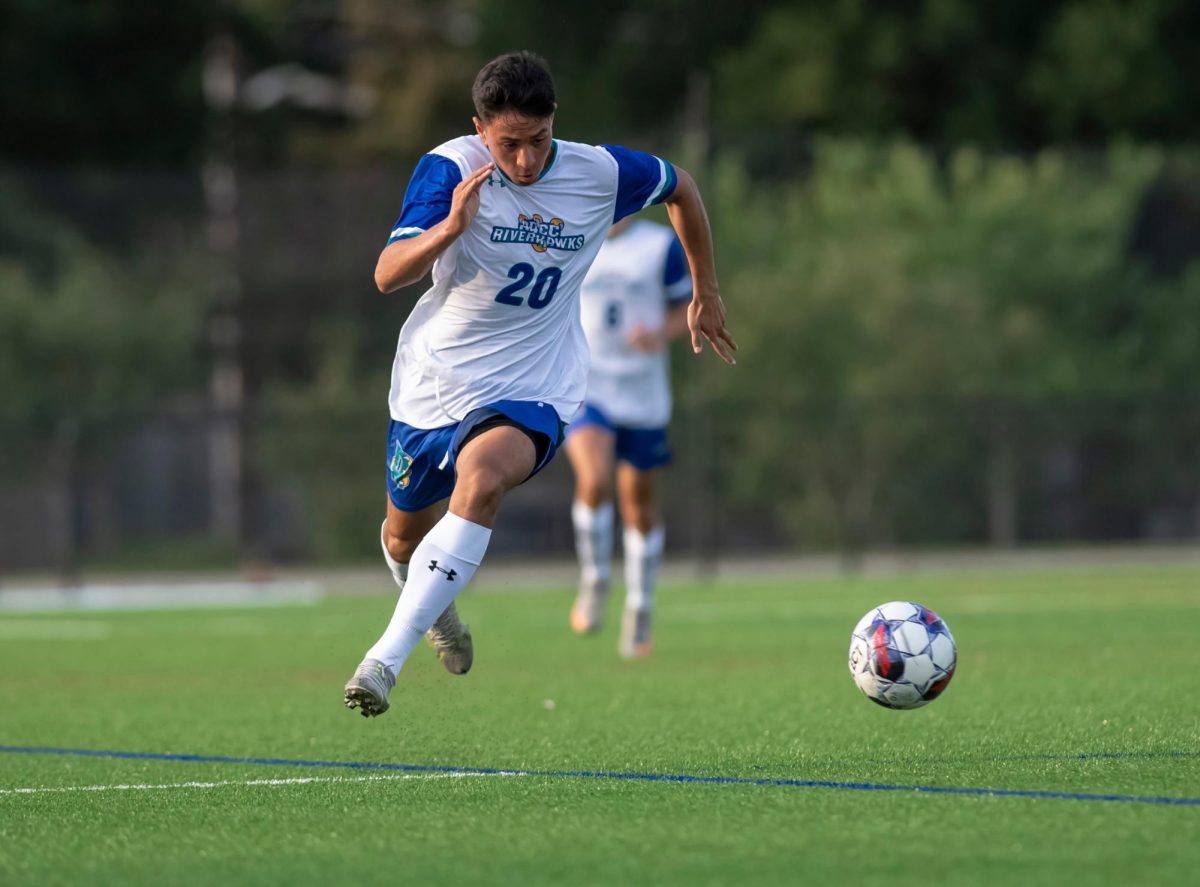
(633, 303)
(492, 360)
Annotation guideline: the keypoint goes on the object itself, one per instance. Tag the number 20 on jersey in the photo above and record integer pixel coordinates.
(545, 285)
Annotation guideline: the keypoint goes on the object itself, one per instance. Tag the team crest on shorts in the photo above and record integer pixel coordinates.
(400, 467)
(539, 234)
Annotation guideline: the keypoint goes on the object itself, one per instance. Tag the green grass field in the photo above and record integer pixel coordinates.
(1078, 681)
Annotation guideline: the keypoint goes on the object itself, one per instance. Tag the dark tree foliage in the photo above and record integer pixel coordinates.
(1015, 75)
(119, 83)
(102, 84)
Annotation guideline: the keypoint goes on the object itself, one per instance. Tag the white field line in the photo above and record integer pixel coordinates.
(191, 595)
(53, 630)
(739, 611)
(294, 780)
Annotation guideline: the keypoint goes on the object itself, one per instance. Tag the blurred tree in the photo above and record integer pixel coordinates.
(1019, 74)
(1102, 68)
(102, 83)
(85, 336)
(89, 346)
(94, 344)
(622, 68)
(885, 287)
(1013, 75)
(418, 58)
(891, 156)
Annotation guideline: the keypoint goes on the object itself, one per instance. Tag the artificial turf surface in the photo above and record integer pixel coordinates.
(1076, 689)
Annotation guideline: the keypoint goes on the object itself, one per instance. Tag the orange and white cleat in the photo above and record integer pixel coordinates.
(587, 613)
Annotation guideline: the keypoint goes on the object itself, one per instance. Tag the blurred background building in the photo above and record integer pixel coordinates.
(960, 244)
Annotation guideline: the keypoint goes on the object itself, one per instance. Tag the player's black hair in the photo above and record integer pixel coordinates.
(515, 81)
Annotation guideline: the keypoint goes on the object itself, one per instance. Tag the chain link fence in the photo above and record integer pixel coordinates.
(190, 385)
(955, 474)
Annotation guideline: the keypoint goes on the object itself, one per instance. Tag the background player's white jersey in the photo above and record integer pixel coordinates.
(637, 276)
(501, 321)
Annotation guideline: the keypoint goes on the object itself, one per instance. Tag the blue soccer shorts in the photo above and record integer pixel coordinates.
(643, 448)
(420, 461)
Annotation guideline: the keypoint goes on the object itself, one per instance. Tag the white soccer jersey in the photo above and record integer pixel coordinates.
(501, 321)
(637, 276)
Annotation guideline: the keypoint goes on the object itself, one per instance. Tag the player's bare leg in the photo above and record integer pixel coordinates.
(446, 558)
(643, 540)
(590, 450)
(404, 530)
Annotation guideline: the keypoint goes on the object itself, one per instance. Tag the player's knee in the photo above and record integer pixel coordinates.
(480, 491)
(400, 547)
(593, 491)
(640, 516)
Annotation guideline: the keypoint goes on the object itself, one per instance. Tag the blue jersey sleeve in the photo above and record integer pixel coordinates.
(642, 180)
(427, 200)
(677, 280)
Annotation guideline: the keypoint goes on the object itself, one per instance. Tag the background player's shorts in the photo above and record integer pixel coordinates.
(643, 448)
(420, 461)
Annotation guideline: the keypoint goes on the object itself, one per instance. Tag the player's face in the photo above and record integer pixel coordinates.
(520, 145)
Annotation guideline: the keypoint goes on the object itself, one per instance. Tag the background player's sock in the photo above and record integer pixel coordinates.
(443, 564)
(399, 570)
(593, 540)
(643, 554)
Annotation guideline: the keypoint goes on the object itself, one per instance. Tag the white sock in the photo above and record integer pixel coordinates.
(643, 554)
(443, 564)
(593, 540)
(399, 570)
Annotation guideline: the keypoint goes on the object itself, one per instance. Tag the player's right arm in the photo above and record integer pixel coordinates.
(437, 210)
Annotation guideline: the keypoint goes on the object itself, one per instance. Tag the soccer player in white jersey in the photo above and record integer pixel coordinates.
(492, 360)
(633, 303)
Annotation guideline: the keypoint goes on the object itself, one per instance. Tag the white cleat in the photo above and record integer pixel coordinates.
(368, 689)
(452, 642)
(587, 613)
(637, 640)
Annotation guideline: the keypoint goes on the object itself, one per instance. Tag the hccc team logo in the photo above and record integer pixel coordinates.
(400, 467)
(539, 234)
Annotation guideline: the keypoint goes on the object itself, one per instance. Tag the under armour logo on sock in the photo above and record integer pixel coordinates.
(450, 574)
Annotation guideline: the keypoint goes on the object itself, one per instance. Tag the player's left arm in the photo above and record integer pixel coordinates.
(706, 311)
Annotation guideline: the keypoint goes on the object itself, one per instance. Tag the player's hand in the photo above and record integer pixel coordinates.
(646, 340)
(464, 204)
(706, 320)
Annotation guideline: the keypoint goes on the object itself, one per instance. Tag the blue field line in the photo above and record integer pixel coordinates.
(1104, 755)
(1075, 756)
(602, 774)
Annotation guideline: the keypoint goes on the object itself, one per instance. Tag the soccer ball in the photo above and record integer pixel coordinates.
(902, 655)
